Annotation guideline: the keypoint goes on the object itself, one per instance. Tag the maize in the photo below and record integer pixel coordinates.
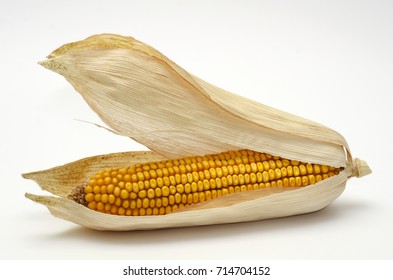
(126, 77)
(159, 188)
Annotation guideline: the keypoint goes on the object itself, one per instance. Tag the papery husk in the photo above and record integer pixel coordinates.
(238, 207)
(140, 93)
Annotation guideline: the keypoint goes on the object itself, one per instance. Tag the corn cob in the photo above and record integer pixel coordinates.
(278, 164)
(158, 188)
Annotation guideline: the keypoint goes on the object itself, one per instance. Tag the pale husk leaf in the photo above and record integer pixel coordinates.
(140, 93)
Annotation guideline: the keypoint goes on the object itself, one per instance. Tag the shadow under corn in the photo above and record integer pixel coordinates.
(327, 215)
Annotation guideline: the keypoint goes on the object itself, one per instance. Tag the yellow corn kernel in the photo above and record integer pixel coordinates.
(124, 194)
(151, 193)
(302, 169)
(89, 197)
(104, 198)
(126, 204)
(97, 197)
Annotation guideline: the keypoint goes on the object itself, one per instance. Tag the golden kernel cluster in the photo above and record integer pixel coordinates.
(158, 188)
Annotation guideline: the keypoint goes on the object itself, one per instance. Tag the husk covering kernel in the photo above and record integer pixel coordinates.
(140, 93)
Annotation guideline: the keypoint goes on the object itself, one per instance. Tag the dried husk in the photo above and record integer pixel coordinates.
(140, 93)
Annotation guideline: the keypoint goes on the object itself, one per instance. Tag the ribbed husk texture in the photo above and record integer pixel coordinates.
(140, 93)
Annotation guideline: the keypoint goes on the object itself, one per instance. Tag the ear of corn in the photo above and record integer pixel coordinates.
(277, 165)
(158, 188)
(253, 205)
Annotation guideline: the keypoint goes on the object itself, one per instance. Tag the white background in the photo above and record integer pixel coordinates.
(329, 61)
